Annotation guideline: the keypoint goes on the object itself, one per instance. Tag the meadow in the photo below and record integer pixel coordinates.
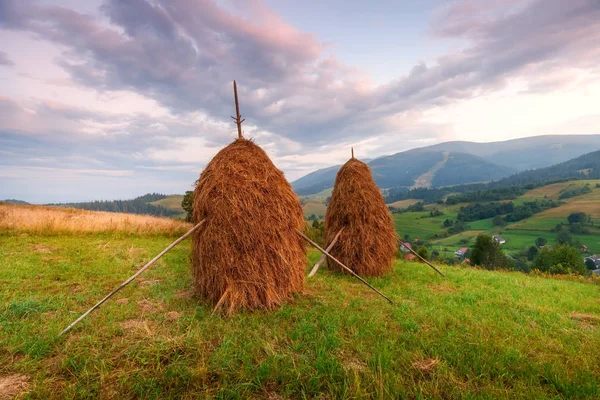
(477, 334)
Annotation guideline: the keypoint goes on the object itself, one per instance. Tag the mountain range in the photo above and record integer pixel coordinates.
(458, 162)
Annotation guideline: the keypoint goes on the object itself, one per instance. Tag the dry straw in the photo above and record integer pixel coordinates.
(368, 243)
(247, 255)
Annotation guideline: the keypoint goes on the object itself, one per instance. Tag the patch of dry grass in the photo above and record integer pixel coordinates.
(51, 220)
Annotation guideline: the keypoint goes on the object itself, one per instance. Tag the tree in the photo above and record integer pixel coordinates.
(498, 221)
(532, 252)
(577, 217)
(541, 242)
(423, 252)
(448, 223)
(187, 204)
(567, 256)
(486, 252)
(564, 237)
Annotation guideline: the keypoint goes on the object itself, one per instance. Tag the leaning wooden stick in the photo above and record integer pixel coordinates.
(128, 281)
(425, 261)
(323, 257)
(342, 265)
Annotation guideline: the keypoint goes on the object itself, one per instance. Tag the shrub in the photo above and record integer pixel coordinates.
(567, 256)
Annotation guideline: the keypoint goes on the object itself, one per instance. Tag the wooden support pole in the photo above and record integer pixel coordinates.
(352, 152)
(128, 281)
(342, 265)
(425, 261)
(323, 257)
(238, 118)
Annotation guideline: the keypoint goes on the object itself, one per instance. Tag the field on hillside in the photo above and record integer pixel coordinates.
(54, 220)
(314, 207)
(477, 334)
(172, 202)
(519, 234)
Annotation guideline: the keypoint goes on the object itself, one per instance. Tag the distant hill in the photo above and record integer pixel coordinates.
(406, 168)
(13, 201)
(140, 205)
(468, 162)
(526, 153)
(586, 166)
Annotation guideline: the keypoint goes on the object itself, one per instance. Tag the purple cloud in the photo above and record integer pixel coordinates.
(184, 54)
(4, 60)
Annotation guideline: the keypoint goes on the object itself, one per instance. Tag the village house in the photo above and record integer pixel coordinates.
(460, 253)
(499, 239)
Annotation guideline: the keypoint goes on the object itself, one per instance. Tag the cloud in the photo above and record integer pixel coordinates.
(4, 60)
(297, 96)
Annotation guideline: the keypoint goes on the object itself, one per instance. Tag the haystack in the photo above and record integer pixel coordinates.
(368, 242)
(247, 254)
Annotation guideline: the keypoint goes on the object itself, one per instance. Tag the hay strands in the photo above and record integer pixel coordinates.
(342, 265)
(426, 262)
(323, 257)
(128, 281)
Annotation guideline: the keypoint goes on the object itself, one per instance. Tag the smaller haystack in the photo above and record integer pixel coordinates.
(247, 254)
(369, 242)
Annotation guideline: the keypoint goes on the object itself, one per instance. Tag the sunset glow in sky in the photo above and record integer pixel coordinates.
(113, 99)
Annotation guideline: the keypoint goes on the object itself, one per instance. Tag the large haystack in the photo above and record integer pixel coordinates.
(247, 253)
(368, 243)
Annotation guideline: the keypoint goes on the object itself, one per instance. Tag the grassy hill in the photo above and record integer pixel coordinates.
(477, 334)
(173, 203)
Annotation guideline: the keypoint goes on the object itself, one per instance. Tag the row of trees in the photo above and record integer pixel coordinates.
(568, 193)
(560, 259)
(504, 212)
(139, 205)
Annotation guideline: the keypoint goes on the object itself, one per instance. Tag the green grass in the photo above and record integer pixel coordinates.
(478, 334)
(421, 225)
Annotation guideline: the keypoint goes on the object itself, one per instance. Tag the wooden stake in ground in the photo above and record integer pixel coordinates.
(238, 118)
(323, 257)
(425, 261)
(128, 281)
(342, 265)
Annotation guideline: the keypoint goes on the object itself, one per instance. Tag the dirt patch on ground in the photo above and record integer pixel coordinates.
(426, 366)
(124, 300)
(148, 282)
(586, 320)
(442, 288)
(136, 325)
(186, 294)
(351, 362)
(172, 316)
(148, 306)
(38, 248)
(12, 386)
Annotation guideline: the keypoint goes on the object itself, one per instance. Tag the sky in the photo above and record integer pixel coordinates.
(111, 99)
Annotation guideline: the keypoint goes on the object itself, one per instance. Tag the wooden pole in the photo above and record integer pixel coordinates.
(342, 265)
(323, 257)
(238, 118)
(425, 261)
(128, 281)
(352, 152)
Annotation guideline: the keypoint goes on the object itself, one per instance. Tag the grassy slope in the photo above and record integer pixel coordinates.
(478, 334)
(314, 207)
(172, 202)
